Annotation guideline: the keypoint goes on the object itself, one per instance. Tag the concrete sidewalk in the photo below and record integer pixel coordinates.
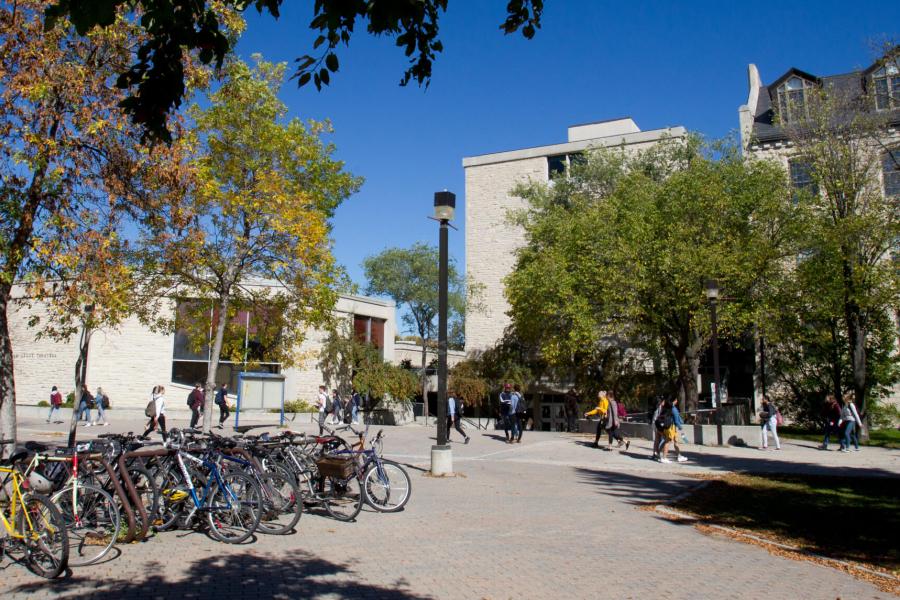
(549, 518)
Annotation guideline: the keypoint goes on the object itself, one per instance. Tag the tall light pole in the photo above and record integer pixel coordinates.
(712, 294)
(441, 456)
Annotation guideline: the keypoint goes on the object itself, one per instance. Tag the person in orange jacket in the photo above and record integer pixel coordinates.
(601, 410)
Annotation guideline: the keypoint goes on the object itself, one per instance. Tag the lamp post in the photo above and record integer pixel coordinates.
(441, 456)
(712, 294)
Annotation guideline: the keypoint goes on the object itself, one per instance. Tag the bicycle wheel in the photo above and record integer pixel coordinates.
(44, 537)
(147, 490)
(387, 486)
(342, 498)
(234, 508)
(174, 495)
(92, 522)
(281, 502)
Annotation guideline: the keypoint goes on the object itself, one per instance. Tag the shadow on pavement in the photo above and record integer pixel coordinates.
(301, 575)
(634, 488)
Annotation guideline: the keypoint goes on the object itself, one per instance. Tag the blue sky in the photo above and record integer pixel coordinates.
(660, 63)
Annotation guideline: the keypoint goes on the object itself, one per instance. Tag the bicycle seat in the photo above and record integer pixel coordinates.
(16, 457)
(36, 447)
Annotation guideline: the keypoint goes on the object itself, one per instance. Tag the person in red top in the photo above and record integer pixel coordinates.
(196, 400)
(55, 403)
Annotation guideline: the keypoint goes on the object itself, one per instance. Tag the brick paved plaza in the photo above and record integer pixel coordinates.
(550, 518)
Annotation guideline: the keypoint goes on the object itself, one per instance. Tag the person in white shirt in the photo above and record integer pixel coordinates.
(159, 418)
(322, 401)
(850, 421)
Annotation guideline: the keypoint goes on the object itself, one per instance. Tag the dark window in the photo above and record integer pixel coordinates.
(369, 330)
(556, 165)
(801, 179)
(248, 334)
(890, 168)
(559, 164)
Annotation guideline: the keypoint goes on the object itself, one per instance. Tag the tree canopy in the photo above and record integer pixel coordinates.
(177, 30)
(619, 247)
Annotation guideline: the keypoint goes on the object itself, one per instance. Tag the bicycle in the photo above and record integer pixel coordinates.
(231, 500)
(33, 524)
(91, 514)
(386, 485)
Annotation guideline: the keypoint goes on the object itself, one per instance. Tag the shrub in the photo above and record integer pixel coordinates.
(43, 404)
(296, 406)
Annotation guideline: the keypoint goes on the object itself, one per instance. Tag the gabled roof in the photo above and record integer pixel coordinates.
(790, 73)
(851, 84)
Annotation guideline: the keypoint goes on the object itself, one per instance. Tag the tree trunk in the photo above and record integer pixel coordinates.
(80, 379)
(7, 380)
(215, 352)
(687, 356)
(856, 338)
(836, 366)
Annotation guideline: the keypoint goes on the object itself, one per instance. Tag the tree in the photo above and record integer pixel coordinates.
(252, 232)
(629, 241)
(467, 384)
(410, 278)
(346, 362)
(852, 226)
(175, 29)
(71, 167)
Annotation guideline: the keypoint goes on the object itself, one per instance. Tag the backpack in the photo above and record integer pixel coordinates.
(665, 420)
(105, 401)
(150, 411)
(190, 400)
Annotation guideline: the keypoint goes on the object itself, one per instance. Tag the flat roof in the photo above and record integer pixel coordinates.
(637, 137)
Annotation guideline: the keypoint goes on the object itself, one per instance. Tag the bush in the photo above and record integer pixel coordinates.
(296, 406)
(43, 404)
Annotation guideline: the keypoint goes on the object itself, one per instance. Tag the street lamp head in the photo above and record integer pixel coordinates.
(444, 205)
(712, 289)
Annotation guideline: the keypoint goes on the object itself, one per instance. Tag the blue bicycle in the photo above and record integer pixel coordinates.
(189, 486)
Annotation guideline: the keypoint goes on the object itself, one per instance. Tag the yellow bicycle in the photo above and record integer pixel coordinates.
(35, 529)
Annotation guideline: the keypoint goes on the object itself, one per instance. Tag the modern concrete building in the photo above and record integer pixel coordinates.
(491, 240)
(129, 360)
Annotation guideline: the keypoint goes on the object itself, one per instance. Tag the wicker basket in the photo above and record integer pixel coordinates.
(340, 468)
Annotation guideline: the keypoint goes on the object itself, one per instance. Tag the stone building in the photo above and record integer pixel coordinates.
(491, 241)
(129, 360)
(786, 100)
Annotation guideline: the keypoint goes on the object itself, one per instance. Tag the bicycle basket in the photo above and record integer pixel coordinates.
(341, 468)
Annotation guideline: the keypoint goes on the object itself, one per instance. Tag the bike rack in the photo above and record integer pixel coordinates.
(131, 534)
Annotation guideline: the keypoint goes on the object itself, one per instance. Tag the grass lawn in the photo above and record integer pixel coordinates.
(846, 518)
(884, 438)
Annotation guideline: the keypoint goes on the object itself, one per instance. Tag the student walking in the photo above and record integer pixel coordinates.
(768, 418)
(454, 417)
(55, 403)
(505, 405)
(355, 401)
(571, 410)
(322, 403)
(669, 425)
(195, 402)
(514, 425)
(158, 416)
(657, 436)
(337, 408)
(613, 422)
(84, 405)
(521, 411)
(100, 400)
(601, 410)
(850, 421)
(222, 402)
(831, 416)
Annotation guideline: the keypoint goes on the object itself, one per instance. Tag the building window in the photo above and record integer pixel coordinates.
(802, 180)
(887, 85)
(369, 330)
(792, 99)
(247, 343)
(559, 164)
(890, 170)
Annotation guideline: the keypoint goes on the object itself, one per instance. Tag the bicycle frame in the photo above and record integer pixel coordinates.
(16, 500)
(200, 502)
